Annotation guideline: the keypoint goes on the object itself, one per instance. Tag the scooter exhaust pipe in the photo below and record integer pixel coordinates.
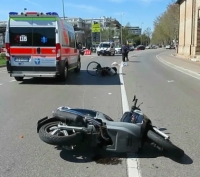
(161, 133)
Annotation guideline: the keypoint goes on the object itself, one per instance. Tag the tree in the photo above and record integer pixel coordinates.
(148, 34)
(166, 25)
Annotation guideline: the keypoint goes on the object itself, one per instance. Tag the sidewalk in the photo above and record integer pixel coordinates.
(181, 62)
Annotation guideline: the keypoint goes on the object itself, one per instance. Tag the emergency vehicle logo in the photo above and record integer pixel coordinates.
(37, 61)
(21, 38)
(43, 40)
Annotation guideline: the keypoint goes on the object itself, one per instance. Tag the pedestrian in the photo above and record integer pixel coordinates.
(124, 52)
(127, 51)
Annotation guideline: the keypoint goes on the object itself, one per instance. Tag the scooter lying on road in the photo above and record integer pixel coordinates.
(72, 127)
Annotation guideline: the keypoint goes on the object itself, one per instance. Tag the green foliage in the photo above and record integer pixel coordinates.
(2, 59)
(166, 25)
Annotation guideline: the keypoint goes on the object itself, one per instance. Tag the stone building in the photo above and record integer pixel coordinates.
(189, 28)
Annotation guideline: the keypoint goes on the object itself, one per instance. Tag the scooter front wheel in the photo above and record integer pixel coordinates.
(94, 68)
(165, 144)
(50, 134)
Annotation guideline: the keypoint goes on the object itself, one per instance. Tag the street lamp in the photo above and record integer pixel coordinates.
(121, 28)
(63, 6)
(141, 32)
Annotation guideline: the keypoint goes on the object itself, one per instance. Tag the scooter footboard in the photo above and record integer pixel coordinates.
(124, 140)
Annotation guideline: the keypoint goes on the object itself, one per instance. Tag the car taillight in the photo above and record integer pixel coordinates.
(58, 51)
(7, 51)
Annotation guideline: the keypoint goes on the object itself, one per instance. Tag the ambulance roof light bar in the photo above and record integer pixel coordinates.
(51, 13)
(13, 13)
(31, 13)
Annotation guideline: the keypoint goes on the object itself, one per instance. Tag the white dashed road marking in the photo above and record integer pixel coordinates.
(132, 161)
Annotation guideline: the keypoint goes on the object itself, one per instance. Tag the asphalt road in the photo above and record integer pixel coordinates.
(171, 100)
(172, 105)
(22, 104)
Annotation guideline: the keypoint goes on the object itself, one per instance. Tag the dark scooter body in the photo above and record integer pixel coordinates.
(71, 127)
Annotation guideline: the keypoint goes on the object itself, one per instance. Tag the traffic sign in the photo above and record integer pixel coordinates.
(96, 27)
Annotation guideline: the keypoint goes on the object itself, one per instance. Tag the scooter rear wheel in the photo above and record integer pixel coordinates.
(165, 144)
(59, 139)
(94, 68)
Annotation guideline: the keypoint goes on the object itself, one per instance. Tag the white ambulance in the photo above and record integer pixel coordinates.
(40, 45)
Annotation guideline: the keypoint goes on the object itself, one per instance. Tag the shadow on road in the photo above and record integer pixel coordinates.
(110, 158)
(82, 78)
(151, 152)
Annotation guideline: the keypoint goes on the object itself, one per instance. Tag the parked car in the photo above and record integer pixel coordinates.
(140, 47)
(131, 48)
(118, 49)
(167, 47)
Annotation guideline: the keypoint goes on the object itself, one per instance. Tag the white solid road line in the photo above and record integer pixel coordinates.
(178, 68)
(132, 161)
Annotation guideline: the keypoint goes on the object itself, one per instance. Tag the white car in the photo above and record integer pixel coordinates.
(106, 48)
(168, 47)
(118, 50)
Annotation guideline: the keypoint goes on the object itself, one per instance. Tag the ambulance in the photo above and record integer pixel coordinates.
(40, 45)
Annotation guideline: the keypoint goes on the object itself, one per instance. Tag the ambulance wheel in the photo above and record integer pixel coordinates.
(64, 74)
(19, 78)
(78, 68)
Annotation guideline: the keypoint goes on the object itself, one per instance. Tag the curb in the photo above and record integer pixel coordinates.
(178, 68)
(191, 59)
(1, 66)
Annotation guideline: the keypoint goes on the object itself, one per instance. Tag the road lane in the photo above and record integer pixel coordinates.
(23, 103)
(171, 100)
(4, 76)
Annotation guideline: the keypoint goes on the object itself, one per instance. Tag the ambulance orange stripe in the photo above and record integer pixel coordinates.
(44, 50)
(43, 56)
(21, 51)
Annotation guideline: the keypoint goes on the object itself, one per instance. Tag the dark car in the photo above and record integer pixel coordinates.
(140, 47)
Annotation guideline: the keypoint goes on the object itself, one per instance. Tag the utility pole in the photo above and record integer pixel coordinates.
(63, 6)
(141, 32)
(121, 29)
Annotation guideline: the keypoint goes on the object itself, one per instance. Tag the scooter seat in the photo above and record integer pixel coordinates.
(67, 116)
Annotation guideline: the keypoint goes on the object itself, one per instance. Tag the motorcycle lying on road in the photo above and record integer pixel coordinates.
(71, 127)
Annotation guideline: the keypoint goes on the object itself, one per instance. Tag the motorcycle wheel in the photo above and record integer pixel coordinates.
(94, 68)
(165, 144)
(58, 139)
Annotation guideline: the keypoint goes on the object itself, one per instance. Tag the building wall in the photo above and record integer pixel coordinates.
(197, 25)
(182, 29)
(188, 28)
